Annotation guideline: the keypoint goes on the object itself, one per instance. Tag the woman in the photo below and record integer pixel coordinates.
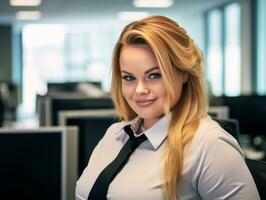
(158, 91)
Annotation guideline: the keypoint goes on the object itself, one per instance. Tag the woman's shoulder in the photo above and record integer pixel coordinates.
(115, 128)
(211, 135)
(211, 130)
(110, 134)
(210, 147)
(215, 164)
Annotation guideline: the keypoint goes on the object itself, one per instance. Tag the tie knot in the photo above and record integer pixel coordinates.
(135, 140)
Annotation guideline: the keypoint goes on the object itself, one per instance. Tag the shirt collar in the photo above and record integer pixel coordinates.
(155, 134)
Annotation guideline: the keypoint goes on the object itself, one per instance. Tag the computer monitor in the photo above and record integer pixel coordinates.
(92, 126)
(250, 111)
(69, 86)
(43, 104)
(55, 104)
(38, 163)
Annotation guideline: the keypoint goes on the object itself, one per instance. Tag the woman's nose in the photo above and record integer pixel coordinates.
(142, 88)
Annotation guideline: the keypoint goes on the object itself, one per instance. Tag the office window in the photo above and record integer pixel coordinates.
(223, 50)
(261, 47)
(232, 50)
(65, 53)
(43, 61)
(88, 54)
(214, 52)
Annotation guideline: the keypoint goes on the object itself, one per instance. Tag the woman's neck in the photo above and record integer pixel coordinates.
(139, 127)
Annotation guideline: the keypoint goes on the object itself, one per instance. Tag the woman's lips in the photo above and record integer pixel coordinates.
(144, 102)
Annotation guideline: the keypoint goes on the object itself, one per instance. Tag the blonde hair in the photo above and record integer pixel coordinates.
(175, 53)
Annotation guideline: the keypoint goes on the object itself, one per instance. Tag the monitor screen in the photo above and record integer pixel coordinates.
(33, 164)
(250, 111)
(92, 126)
(68, 86)
(59, 104)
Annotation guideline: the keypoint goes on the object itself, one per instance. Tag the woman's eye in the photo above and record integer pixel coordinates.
(128, 78)
(154, 76)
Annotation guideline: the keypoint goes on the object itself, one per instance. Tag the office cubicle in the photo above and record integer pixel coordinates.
(92, 126)
(50, 106)
(38, 163)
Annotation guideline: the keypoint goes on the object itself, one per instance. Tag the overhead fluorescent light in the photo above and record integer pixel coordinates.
(25, 2)
(28, 15)
(130, 15)
(153, 3)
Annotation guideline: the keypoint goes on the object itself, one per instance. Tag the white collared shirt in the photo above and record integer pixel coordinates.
(214, 166)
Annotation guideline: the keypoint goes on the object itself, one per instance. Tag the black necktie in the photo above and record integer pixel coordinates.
(101, 185)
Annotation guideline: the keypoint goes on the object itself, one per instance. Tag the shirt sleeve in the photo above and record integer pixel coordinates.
(220, 171)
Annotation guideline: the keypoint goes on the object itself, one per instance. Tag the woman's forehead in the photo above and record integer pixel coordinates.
(137, 55)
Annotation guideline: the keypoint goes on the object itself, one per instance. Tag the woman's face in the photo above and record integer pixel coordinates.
(142, 83)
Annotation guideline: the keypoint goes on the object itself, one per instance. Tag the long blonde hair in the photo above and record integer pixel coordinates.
(174, 51)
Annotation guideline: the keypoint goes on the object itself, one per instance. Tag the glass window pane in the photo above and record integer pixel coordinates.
(214, 52)
(43, 58)
(261, 47)
(65, 53)
(232, 50)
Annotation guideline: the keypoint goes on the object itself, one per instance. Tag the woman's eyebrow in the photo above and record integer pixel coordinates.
(146, 72)
(149, 70)
(123, 71)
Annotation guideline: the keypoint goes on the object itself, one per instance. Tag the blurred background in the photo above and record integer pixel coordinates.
(63, 48)
(43, 41)
(49, 47)
(55, 61)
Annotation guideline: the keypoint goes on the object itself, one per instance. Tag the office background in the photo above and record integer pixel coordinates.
(44, 43)
(55, 55)
(74, 41)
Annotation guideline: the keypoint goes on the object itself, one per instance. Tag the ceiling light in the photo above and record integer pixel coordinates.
(28, 15)
(25, 2)
(130, 16)
(153, 3)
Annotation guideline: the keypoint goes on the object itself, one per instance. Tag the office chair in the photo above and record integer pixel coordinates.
(258, 171)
